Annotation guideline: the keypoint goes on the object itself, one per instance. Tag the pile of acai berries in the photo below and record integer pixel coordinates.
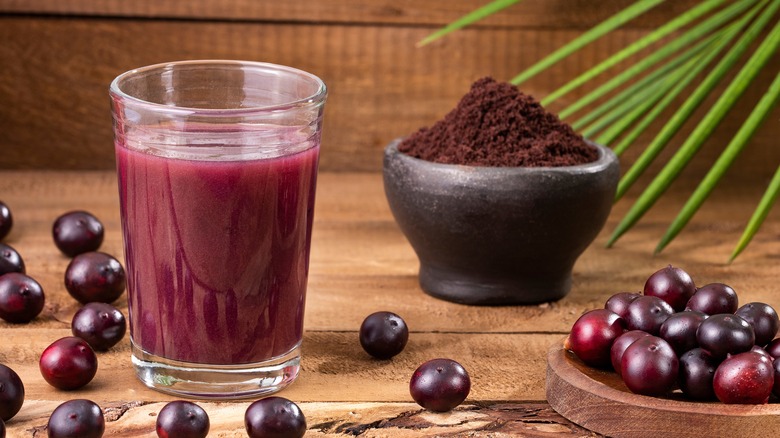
(676, 335)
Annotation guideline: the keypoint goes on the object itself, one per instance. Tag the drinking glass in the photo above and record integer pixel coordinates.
(217, 167)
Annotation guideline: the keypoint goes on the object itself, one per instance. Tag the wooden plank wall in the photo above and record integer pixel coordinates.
(58, 57)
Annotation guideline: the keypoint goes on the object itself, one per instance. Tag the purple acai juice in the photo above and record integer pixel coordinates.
(217, 249)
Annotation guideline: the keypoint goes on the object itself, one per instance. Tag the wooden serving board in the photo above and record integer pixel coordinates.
(599, 400)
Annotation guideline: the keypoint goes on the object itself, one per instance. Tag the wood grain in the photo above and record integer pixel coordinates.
(380, 86)
(334, 367)
(57, 70)
(591, 397)
(136, 419)
(532, 13)
(361, 263)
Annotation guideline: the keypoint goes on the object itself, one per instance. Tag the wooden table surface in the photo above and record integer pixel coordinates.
(361, 263)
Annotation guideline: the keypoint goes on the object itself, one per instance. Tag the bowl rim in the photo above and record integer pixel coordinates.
(606, 158)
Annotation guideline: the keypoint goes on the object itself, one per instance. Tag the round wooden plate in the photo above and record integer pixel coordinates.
(598, 400)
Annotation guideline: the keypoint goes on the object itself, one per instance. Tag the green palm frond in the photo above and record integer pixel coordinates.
(702, 131)
(640, 84)
(637, 46)
(617, 112)
(694, 34)
(759, 215)
(612, 23)
(751, 125)
(672, 86)
(470, 18)
(692, 103)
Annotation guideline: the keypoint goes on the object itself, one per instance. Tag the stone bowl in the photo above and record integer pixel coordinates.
(498, 235)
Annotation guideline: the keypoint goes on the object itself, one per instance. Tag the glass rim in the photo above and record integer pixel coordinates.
(317, 98)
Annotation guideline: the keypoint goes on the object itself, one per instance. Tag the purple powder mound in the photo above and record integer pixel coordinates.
(496, 125)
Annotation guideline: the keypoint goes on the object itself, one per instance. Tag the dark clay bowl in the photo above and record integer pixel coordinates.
(498, 235)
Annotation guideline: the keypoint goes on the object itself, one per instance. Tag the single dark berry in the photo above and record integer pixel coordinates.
(77, 232)
(713, 299)
(383, 334)
(274, 417)
(763, 318)
(773, 348)
(679, 330)
(10, 260)
(182, 419)
(672, 285)
(21, 298)
(649, 366)
(95, 277)
(619, 302)
(619, 347)
(697, 369)
(440, 385)
(101, 325)
(68, 363)
(647, 314)
(745, 378)
(725, 334)
(6, 220)
(592, 336)
(76, 419)
(11, 393)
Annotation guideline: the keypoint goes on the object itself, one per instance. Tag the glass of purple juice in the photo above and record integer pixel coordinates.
(217, 167)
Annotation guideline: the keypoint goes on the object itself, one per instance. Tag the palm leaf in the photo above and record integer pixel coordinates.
(665, 90)
(641, 84)
(603, 28)
(656, 111)
(680, 80)
(700, 133)
(671, 87)
(682, 115)
(637, 104)
(673, 25)
(468, 19)
(745, 133)
(759, 215)
(703, 29)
